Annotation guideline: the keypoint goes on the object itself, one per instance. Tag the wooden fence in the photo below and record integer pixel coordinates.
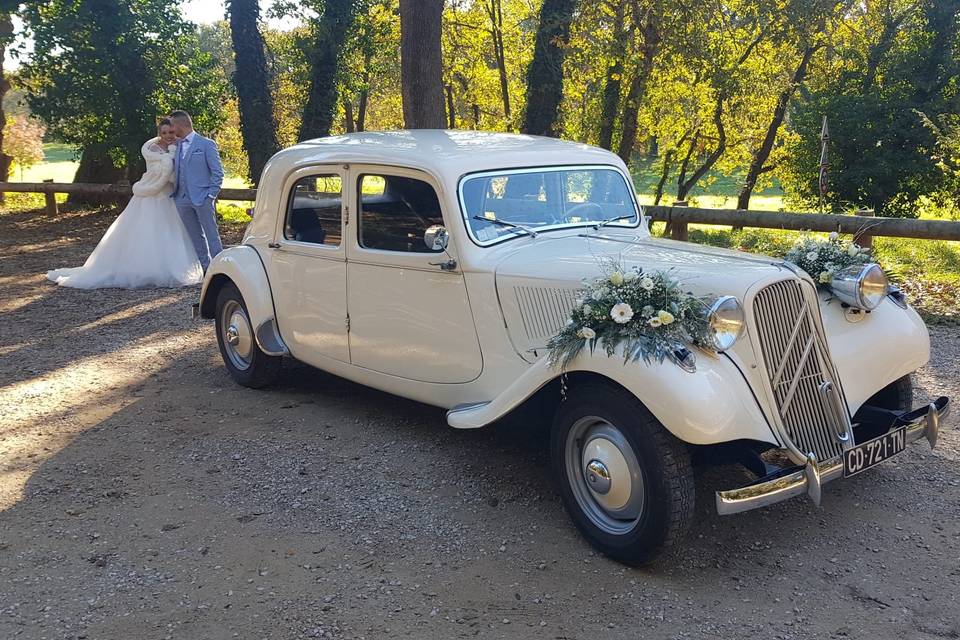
(678, 217)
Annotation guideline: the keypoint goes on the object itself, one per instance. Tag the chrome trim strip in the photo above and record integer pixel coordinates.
(809, 478)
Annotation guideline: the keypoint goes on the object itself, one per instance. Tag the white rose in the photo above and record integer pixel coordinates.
(647, 283)
(853, 250)
(597, 294)
(812, 256)
(833, 236)
(587, 333)
(665, 317)
(587, 309)
(621, 313)
(616, 278)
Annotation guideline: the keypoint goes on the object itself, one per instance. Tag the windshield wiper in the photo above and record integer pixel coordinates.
(604, 223)
(505, 223)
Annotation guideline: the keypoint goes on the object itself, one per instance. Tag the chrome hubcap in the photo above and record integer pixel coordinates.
(237, 334)
(598, 477)
(605, 475)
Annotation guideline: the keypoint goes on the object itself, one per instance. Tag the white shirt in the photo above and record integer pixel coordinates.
(185, 144)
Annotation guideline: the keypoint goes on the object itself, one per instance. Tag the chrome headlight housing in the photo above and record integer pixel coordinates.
(727, 322)
(861, 286)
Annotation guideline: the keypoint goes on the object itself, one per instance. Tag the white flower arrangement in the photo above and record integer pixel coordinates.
(822, 259)
(648, 313)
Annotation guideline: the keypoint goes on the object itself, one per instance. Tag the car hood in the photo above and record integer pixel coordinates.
(538, 283)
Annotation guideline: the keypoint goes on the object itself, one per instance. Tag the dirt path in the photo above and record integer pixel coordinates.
(144, 495)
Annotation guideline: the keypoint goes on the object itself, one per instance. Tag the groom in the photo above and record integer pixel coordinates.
(198, 175)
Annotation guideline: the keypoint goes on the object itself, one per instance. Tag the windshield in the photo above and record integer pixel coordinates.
(512, 203)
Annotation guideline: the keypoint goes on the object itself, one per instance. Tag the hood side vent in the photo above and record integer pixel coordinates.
(544, 310)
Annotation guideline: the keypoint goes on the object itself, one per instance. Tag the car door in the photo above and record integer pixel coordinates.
(409, 311)
(309, 270)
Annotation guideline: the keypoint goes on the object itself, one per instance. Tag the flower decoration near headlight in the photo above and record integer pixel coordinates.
(845, 269)
(645, 312)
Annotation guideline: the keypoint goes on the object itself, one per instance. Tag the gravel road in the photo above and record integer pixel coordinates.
(144, 495)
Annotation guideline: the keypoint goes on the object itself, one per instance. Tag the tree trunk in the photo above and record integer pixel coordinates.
(687, 185)
(348, 124)
(761, 155)
(364, 95)
(545, 74)
(6, 36)
(421, 64)
(451, 113)
(495, 13)
(664, 174)
(258, 124)
(331, 32)
(628, 133)
(682, 175)
(612, 84)
(96, 167)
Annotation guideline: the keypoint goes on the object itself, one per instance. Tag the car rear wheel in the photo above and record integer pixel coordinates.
(626, 482)
(247, 364)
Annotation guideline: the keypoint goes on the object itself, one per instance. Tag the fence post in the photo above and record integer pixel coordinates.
(123, 201)
(51, 200)
(678, 230)
(865, 240)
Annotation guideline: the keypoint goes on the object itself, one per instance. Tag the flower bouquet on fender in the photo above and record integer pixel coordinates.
(823, 259)
(648, 314)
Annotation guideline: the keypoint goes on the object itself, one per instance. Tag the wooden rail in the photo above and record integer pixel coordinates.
(679, 217)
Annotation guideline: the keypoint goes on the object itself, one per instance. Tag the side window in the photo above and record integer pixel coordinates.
(395, 212)
(314, 210)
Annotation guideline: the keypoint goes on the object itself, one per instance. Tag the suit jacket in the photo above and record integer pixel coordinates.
(200, 172)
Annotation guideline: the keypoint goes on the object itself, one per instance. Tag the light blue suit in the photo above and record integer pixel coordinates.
(197, 180)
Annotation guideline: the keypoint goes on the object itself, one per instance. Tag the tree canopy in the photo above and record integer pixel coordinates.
(683, 92)
(103, 71)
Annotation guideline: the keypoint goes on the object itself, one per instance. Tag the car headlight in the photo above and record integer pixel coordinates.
(727, 322)
(863, 287)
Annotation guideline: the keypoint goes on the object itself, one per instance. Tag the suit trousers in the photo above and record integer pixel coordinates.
(200, 222)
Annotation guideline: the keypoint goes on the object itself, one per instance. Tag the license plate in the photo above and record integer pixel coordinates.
(873, 452)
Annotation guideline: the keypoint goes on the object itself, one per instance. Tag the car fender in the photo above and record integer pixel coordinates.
(709, 405)
(242, 266)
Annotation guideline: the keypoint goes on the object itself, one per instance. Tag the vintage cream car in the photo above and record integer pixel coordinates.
(437, 265)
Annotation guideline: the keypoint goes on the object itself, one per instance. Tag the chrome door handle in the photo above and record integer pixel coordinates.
(446, 265)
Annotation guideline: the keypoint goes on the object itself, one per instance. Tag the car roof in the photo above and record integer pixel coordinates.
(447, 154)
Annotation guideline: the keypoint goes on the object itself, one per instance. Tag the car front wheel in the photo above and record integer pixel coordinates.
(626, 482)
(247, 364)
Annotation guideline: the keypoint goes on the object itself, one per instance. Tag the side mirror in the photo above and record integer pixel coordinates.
(436, 238)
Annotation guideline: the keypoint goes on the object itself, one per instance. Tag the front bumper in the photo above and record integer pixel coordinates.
(810, 477)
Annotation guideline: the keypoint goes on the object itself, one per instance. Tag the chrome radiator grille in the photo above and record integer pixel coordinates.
(807, 400)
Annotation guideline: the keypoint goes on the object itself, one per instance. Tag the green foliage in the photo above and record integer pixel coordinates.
(103, 71)
(889, 61)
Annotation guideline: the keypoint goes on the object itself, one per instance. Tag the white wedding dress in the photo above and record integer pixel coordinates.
(147, 245)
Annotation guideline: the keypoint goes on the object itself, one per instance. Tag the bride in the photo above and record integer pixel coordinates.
(147, 245)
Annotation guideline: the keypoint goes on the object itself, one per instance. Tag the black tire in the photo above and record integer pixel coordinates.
(255, 369)
(664, 463)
